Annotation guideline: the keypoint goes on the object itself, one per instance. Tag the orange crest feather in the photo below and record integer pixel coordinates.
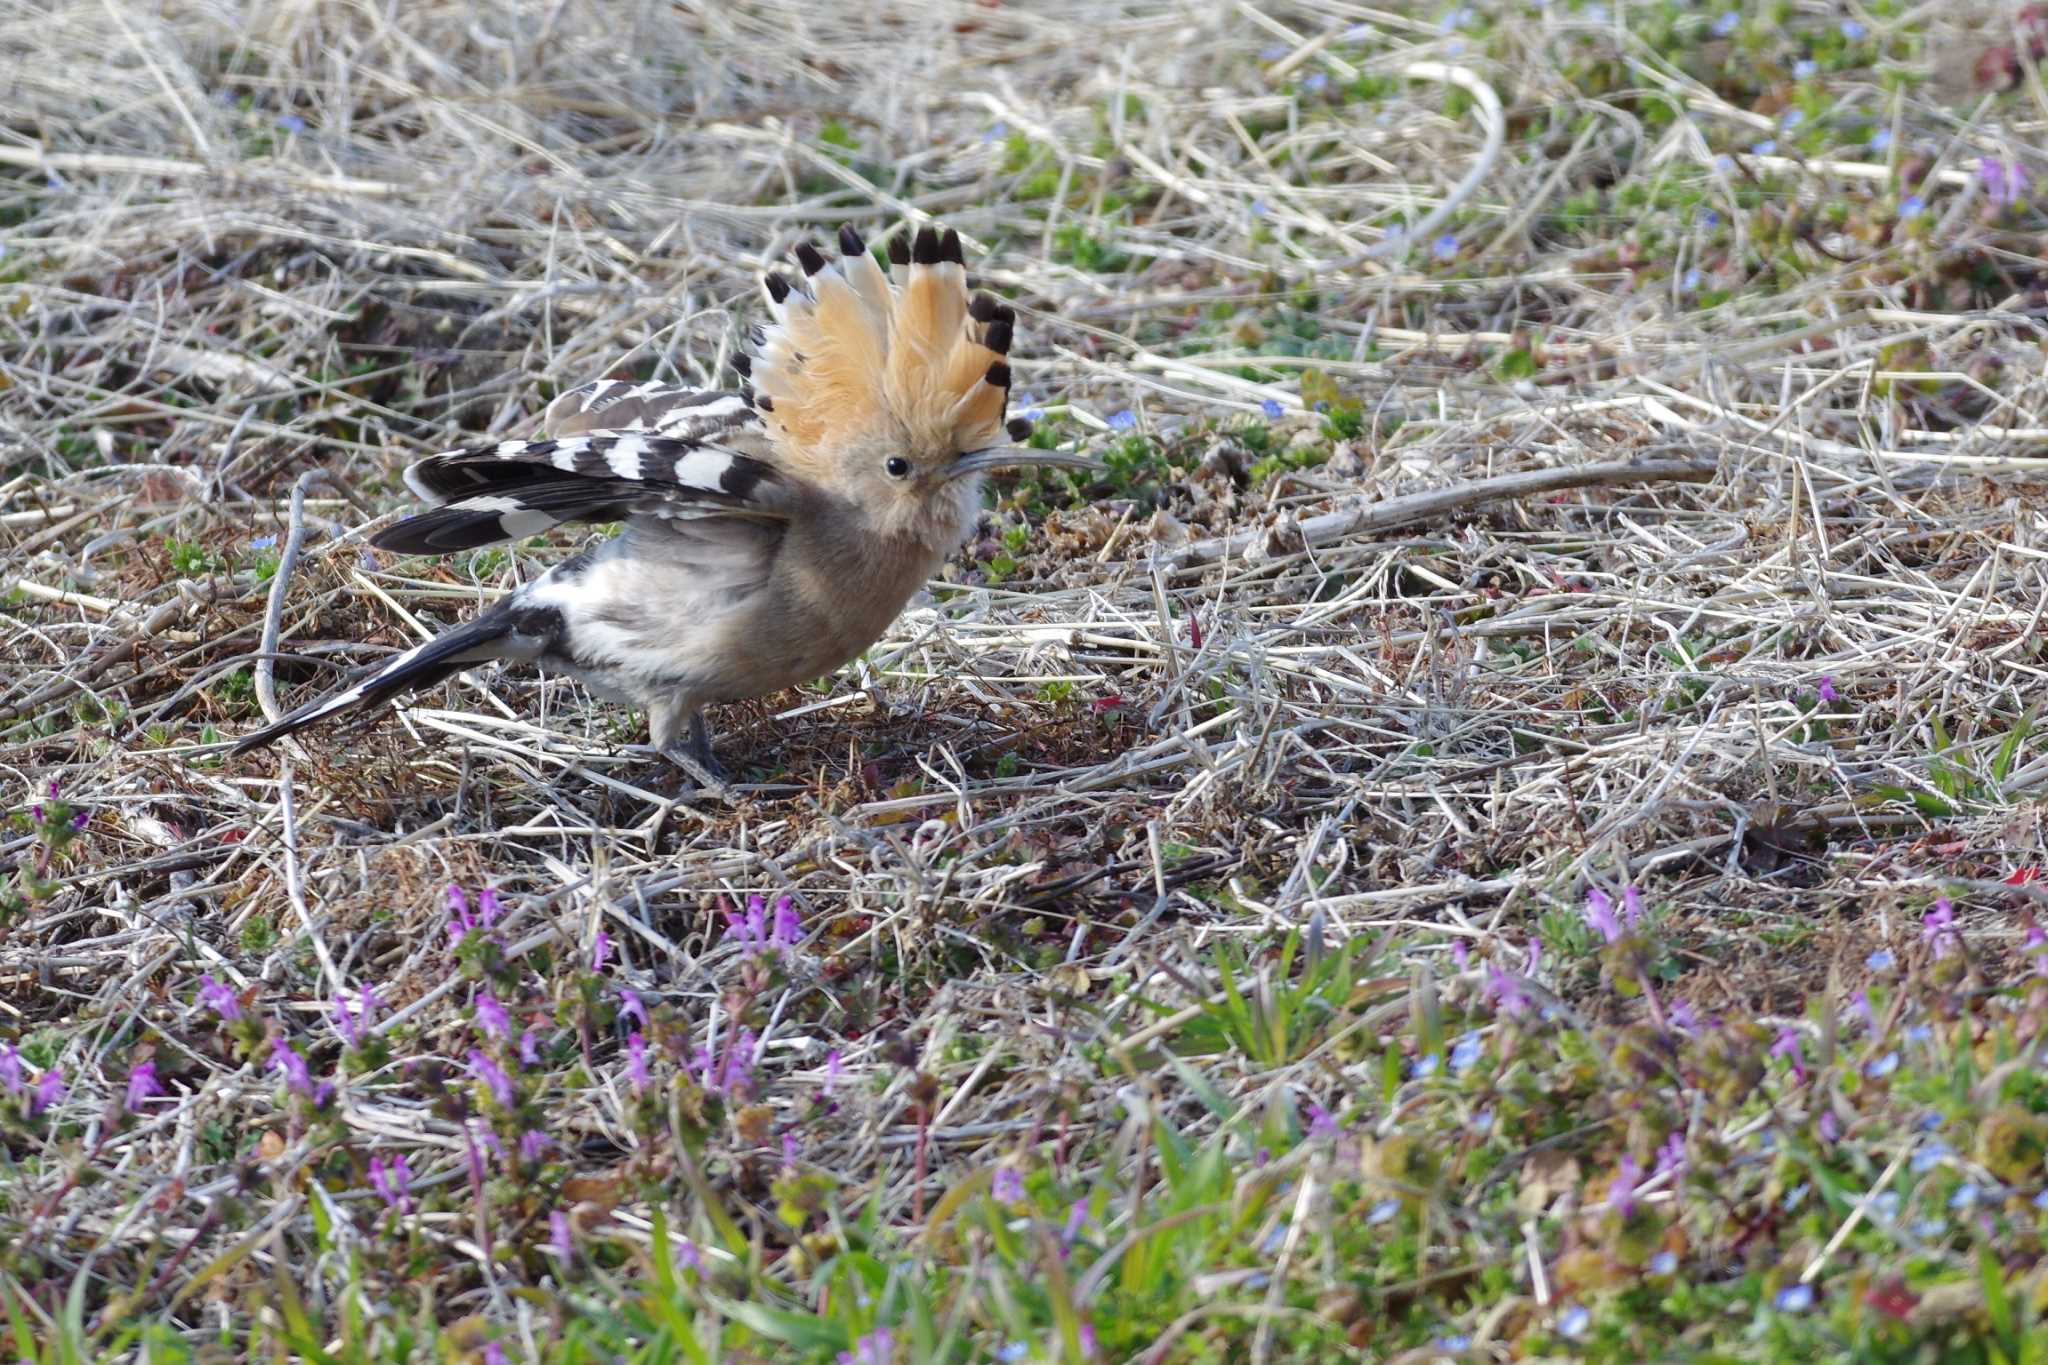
(852, 355)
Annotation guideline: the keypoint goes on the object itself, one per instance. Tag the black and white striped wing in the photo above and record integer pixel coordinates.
(664, 409)
(515, 489)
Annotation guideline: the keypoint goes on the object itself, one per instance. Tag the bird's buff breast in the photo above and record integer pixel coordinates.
(820, 623)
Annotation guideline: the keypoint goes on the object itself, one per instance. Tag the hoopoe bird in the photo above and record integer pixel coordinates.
(770, 534)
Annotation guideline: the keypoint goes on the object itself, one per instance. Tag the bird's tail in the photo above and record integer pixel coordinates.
(421, 666)
(854, 350)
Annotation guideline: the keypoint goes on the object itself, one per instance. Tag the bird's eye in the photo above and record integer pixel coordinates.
(898, 467)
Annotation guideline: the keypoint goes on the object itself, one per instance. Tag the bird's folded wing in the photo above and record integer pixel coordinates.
(515, 489)
(664, 409)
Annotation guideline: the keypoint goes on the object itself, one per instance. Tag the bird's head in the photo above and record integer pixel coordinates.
(891, 390)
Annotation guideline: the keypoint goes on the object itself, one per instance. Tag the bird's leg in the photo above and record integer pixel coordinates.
(693, 755)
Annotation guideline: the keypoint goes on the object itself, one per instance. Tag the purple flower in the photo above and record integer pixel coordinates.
(1008, 1185)
(630, 1006)
(81, 820)
(489, 1138)
(1788, 1047)
(1863, 1007)
(1321, 1122)
(790, 1149)
(10, 1069)
(1632, 905)
(1826, 690)
(1089, 1345)
(354, 1024)
(1271, 407)
(1077, 1218)
(1123, 420)
(1671, 1157)
(493, 1076)
(491, 1017)
(50, 1088)
(1599, 913)
(219, 997)
(529, 1049)
(142, 1085)
(788, 928)
(1939, 931)
(832, 1071)
(636, 1060)
(600, 949)
(1830, 1126)
(392, 1180)
(2036, 947)
(533, 1144)
(494, 1354)
(1621, 1194)
(876, 1348)
(1683, 1015)
(297, 1075)
(1504, 992)
(560, 1239)
(487, 905)
(735, 1077)
(1460, 954)
(692, 1258)
(2005, 182)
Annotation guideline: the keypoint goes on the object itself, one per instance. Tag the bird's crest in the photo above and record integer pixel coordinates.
(854, 353)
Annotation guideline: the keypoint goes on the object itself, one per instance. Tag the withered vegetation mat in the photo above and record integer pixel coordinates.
(1550, 451)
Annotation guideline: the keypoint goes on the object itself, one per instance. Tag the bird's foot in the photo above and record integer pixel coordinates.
(701, 772)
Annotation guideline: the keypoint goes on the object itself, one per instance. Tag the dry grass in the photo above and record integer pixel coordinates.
(249, 242)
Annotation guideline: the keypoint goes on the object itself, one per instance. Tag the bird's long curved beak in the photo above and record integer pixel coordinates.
(1016, 457)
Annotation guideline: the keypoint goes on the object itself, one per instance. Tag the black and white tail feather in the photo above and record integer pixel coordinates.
(703, 481)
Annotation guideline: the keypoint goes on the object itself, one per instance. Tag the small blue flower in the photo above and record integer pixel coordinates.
(1445, 247)
(1965, 1196)
(1795, 1298)
(1797, 1196)
(2041, 1200)
(1123, 420)
(1766, 147)
(1927, 1229)
(1885, 1204)
(1383, 1211)
(1691, 281)
(1466, 1052)
(1723, 164)
(1912, 208)
(1574, 1321)
(1664, 1263)
(1767, 1141)
(1805, 69)
(1793, 118)
(1422, 1067)
(1482, 1122)
(1260, 208)
(1314, 81)
(1032, 414)
(1358, 33)
(996, 132)
(1456, 19)
(1880, 138)
(263, 543)
(1710, 218)
(1727, 24)
(1930, 1155)
(1454, 1343)
(1853, 30)
(291, 123)
(1271, 407)
(1882, 1066)
(1919, 1033)
(1273, 52)
(1881, 960)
